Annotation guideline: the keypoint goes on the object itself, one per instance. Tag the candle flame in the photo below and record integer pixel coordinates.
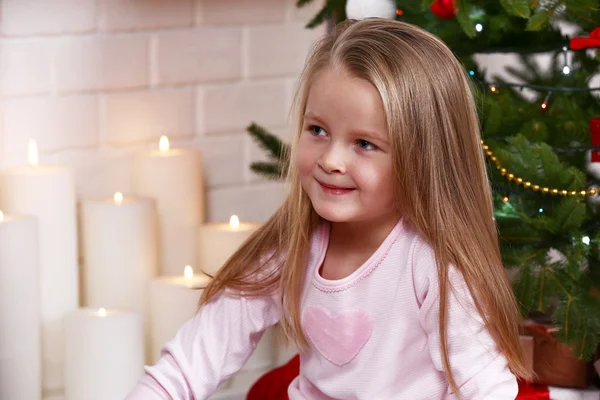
(188, 272)
(234, 221)
(163, 143)
(1, 216)
(118, 198)
(102, 312)
(33, 153)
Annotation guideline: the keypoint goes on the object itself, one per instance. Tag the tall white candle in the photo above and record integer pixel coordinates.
(173, 301)
(173, 177)
(218, 241)
(20, 317)
(104, 354)
(48, 192)
(120, 256)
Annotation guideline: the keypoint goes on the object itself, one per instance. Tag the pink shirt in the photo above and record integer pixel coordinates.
(372, 335)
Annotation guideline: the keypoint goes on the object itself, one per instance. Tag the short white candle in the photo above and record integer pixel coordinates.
(173, 177)
(173, 301)
(104, 354)
(48, 193)
(119, 245)
(218, 241)
(20, 316)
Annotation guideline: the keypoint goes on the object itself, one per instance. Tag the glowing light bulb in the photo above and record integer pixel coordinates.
(33, 153)
(544, 105)
(586, 240)
(163, 143)
(102, 312)
(493, 89)
(566, 70)
(188, 272)
(234, 221)
(1, 216)
(478, 27)
(505, 199)
(541, 210)
(118, 198)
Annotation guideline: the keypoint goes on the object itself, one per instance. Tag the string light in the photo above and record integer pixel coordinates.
(505, 199)
(544, 105)
(529, 185)
(493, 88)
(478, 27)
(399, 12)
(566, 70)
(586, 240)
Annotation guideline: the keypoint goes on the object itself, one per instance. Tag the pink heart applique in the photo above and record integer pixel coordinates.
(338, 337)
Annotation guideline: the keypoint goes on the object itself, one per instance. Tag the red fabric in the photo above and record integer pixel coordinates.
(444, 9)
(528, 391)
(593, 41)
(274, 384)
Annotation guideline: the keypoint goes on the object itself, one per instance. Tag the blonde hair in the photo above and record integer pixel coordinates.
(442, 185)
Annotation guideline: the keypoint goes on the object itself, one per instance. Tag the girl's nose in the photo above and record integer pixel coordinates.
(332, 160)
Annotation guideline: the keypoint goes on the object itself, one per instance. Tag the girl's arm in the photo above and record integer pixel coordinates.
(479, 369)
(208, 349)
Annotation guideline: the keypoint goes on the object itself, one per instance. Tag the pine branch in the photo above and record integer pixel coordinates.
(268, 170)
(275, 148)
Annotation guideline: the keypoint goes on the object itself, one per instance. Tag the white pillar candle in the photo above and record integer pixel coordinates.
(173, 301)
(104, 354)
(20, 317)
(119, 244)
(173, 177)
(218, 241)
(48, 193)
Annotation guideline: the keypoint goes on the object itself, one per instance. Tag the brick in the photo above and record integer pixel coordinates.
(30, 17)
(104, 62)
(118, 15)
(200, 55)
(223, 160)
(231, 108)
(306, 13)
(55, 123)
(213, 12)
(279, 49)
(98, 172)
(146, 115)
(251, 203)
(24, 67)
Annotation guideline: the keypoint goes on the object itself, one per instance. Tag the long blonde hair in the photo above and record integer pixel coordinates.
(442, 185)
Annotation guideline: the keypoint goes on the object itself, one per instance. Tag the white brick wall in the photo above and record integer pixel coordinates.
(94, 81)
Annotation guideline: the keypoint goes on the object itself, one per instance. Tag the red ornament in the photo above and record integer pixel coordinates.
(595, 131)
(444, 9)
(593, 41)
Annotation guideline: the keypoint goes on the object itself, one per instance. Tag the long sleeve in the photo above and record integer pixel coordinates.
(479, 369)
(208, 349)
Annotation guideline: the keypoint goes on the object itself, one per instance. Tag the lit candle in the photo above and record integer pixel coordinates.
(104, 355)
(20, 317)
(218, 241)
(173, 301)
(48, 193)
(119, 246)
(173, 177)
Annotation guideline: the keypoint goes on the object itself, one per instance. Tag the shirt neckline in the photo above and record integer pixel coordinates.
(361, 272)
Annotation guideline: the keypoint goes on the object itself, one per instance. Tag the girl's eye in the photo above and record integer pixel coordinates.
(317, 130)
(363, 144)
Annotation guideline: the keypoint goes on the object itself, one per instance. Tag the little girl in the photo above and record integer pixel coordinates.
(382, 264)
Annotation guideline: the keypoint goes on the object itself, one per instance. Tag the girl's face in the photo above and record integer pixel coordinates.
(343, 155)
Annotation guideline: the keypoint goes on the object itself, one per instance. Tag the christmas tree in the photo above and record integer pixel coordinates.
(539, 135)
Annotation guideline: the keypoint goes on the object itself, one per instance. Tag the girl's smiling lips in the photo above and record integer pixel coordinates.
(333, 189)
